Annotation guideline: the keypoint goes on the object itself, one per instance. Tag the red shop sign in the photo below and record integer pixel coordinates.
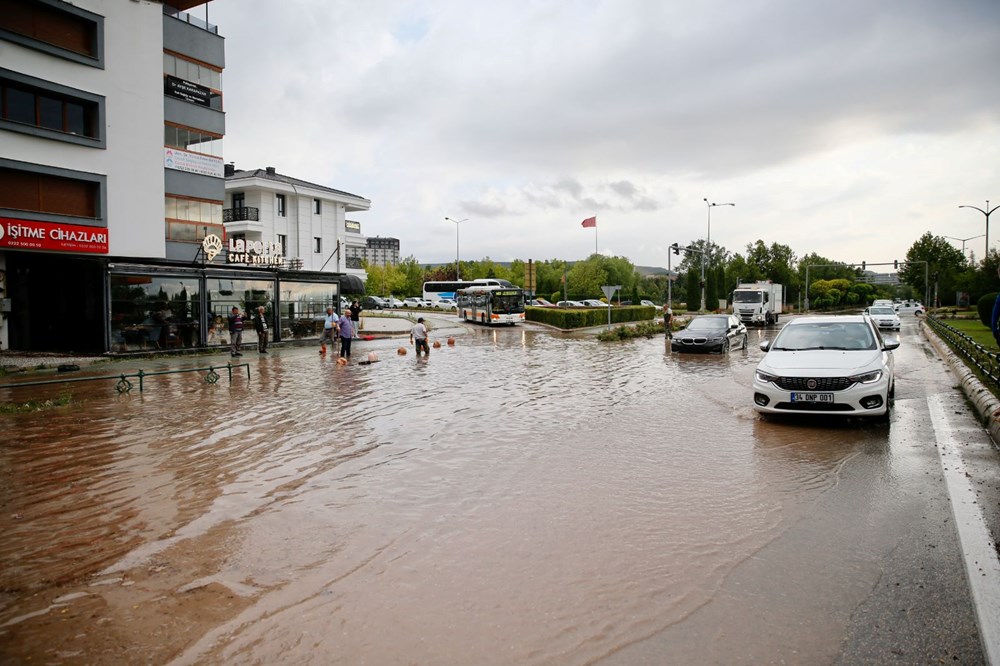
(53, 236)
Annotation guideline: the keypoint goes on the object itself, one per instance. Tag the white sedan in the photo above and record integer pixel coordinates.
(884, 316)
(446, 304)
(832, 365)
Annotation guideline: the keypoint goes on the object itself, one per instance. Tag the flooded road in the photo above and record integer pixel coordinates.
(518, 498)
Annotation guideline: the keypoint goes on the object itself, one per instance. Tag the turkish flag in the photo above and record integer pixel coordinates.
(589, 222)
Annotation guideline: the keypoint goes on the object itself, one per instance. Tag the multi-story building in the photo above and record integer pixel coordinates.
(112, 186)
(307, 220)
(381, 251)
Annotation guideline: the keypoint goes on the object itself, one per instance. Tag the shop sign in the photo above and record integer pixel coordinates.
(182, 160)
(246, 252)
(53, 236)
(353, 226)
(187, 91)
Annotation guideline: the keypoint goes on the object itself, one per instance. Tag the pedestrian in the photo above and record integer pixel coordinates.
(346, 326)
(235, 332)
(356, 316)
(668, 318)
(260, 325)
(418, 336)
(329, 329)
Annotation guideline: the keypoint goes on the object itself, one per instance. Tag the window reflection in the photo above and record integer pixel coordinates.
(226, 293)
(303, 308)
(153, 312)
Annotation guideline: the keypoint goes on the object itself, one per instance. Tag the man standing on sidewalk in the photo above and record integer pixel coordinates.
(260, 325)
(235, 332)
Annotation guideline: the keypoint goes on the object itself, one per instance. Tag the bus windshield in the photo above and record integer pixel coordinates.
(508, 301)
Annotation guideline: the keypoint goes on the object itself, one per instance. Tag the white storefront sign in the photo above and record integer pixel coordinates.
(182, 160)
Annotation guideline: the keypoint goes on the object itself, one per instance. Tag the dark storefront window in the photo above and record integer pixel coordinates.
(303, 308)
(153, 312)
(224, 293)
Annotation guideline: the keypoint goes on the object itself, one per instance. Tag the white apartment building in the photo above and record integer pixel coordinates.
(309, 221)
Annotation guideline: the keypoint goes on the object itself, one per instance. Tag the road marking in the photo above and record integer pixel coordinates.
(982, 566)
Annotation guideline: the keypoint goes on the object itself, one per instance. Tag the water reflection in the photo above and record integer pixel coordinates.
(521, 497)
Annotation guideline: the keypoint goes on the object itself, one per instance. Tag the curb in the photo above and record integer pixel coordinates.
(986, 404)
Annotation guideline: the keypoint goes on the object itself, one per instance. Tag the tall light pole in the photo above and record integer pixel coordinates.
(963, 240)
(458, 264)
(708, 245)
(987, 214)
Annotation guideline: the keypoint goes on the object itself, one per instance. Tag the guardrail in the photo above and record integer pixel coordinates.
(124, 385)
(974, 354)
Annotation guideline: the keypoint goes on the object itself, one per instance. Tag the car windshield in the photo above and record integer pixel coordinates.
(825, 335)
(707, 324)
(882, 311)
(746, 296)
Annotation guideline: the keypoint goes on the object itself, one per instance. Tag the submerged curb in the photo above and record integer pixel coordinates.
(986, 404)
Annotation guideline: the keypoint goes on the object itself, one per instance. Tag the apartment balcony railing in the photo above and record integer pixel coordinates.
(187, 18)
(241, 215)
(353, 262)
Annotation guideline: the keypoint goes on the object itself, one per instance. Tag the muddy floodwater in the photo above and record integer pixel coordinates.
(518, 498)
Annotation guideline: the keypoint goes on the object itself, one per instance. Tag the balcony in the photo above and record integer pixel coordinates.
(240, 215)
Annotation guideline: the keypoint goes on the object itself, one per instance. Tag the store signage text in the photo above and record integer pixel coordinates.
(351, 225)
(187, 91)
(52, 236)
(182, 160)
(254, 253)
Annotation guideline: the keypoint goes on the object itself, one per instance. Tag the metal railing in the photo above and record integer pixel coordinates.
(245, 214)
(986, 362)
(124, 385)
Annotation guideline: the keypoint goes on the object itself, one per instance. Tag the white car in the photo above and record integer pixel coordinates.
(832, 365)
(446, 304)
(650, 304)
(910, 307)
(415, 302)
(593, 303)
(570, 304)
(393, 302)
(884, 316)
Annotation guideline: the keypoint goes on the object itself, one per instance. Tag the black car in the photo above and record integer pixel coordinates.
(711, 333)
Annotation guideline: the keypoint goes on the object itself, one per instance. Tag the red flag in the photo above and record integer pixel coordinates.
(590, 222)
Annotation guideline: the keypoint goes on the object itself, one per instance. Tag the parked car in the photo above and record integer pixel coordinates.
(834, 365)
(373, 303)
(711, 333)
(884, 316)
(910, 307)
(570, 304)
(593, 303)
(883, 302)
(542, 303)
(415, 302)
(393, 302)
(446, 304)
(649, 304)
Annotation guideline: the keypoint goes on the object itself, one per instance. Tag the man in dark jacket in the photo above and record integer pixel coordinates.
(356, 316)
(260, 325)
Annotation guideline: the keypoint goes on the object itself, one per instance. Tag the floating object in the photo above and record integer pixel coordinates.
(367, 362)
(322, 349)
(401, 351)
(367, 337)
(341, 361)
(451, 341)
(372, 357)
(437, 344)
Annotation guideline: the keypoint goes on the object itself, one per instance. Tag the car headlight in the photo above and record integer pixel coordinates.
(765, 377)
(867, 377)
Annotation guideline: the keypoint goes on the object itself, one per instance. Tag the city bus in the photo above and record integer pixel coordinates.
(447, 288)
(491, 304)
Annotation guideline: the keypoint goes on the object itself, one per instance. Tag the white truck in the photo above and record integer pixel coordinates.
(758, 302)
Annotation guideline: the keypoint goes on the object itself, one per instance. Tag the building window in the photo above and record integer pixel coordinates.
(195, 72)
(239, 200)
(50, 194)
(196, 141)
(56, 28)
(42, 108)
(317, 245)
(283, 241)
(317, 206)
(191, 219)
(280, 204)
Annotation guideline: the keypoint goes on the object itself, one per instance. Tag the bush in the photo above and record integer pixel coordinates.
(985, 308)
(567, 318)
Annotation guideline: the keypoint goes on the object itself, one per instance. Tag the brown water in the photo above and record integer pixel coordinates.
(520, 497)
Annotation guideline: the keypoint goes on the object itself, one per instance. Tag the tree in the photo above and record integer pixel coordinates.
(692, 283)
(385, 280)
(943, 260)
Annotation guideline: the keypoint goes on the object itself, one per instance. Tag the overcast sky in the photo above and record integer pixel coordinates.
(846, 128)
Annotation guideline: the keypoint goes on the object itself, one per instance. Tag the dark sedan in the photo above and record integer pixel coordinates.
(711, 333)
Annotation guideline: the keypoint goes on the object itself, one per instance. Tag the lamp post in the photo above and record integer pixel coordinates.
(987, 214)
(708, 245)
(458, 265)
(963, 240)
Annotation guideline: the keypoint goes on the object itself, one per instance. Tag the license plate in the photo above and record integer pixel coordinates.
(812, 397)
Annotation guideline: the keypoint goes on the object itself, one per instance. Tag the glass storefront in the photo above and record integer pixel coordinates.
(225, 293)
(151, 312)
(303, 308)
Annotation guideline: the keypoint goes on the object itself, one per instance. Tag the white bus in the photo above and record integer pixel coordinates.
(491, 304)
(447, 288)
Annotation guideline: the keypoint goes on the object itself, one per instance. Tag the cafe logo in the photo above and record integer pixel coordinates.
(212, 245)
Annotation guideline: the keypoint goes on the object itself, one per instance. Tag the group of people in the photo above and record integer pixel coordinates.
(236, 320)
(343, 326)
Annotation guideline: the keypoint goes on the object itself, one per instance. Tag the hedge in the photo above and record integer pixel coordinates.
(567, 318)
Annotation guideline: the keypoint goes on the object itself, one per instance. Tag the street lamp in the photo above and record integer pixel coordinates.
(458, 265)
(708, 245)
(987, 214)
(963, 240)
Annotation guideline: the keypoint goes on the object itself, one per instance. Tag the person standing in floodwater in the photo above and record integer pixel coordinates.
(329, 326)
(418, 334)
(260, 325)
(346, 326)
(668, 318)
(235, 332)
